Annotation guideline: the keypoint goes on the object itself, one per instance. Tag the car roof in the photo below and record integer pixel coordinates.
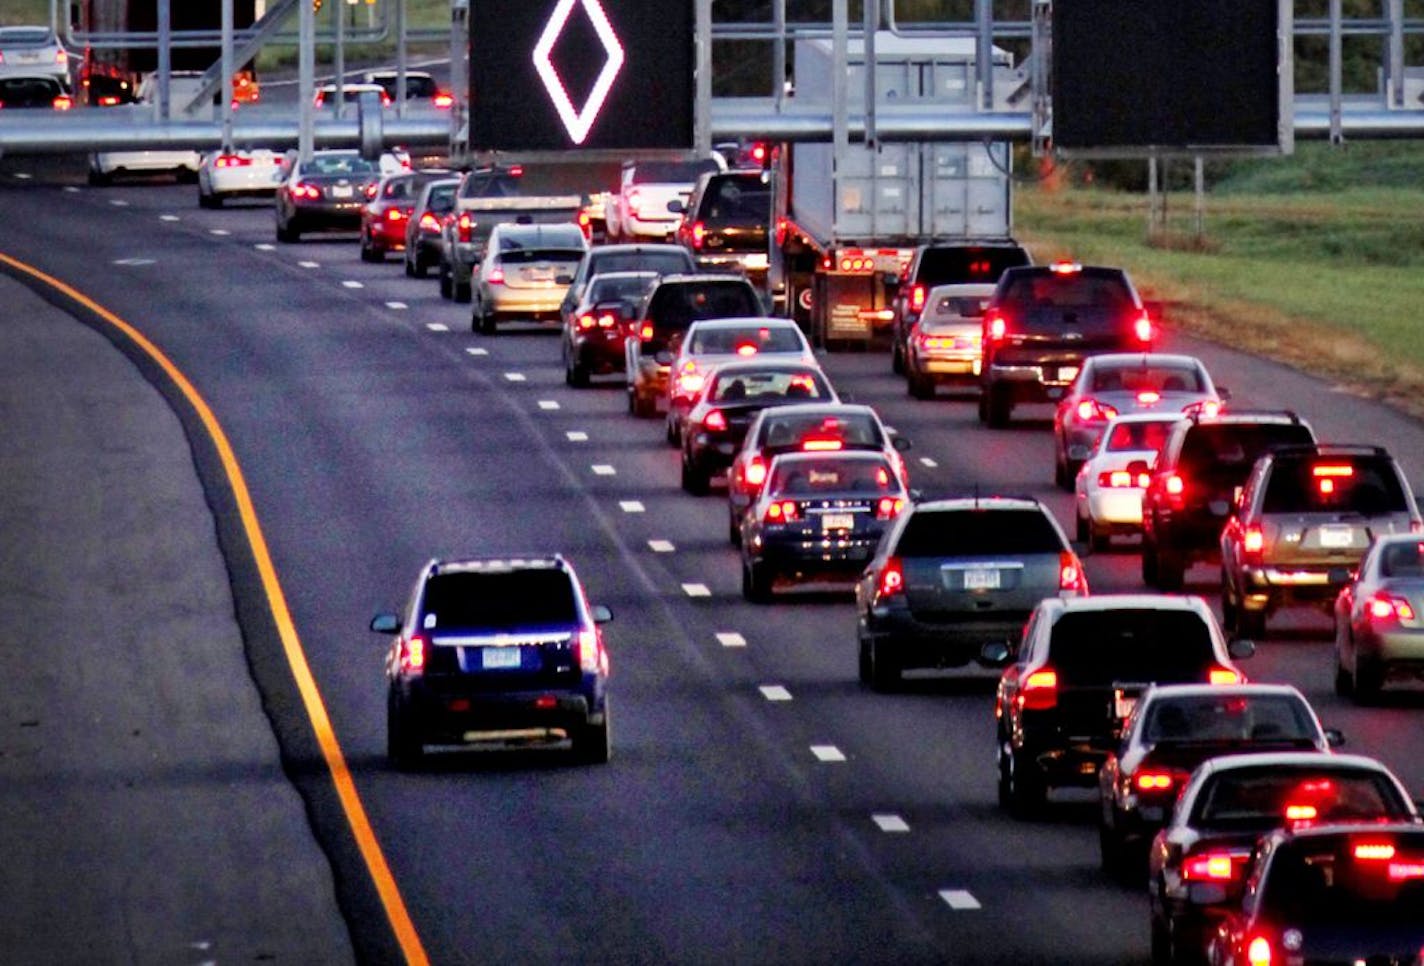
(1131, 601)
(952, 289)
(1145, 418)
(1142, 358)
(392, 73)
(818, 408)
(1291, 759)
(498, 564)
(686, 278)
(980, 503)
(349, 85)
(632, 247)
(615, 276)
(1211, 690)
(538, 233)
(801, 456)
(741, 322)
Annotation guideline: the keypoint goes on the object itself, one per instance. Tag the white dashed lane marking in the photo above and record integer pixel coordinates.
(827, 753)
(133, 261)
(697, 590)
(518, 377)
(220, 232)
(265, 247)
(731, 639)
(576, 436)
(548, 405)
(774, 692)
(23, 175)
(70, 189)
(309, 264)
(890, 823)
(477, 351)
(118, 202)
(169, 218)
(397, 305)
(603, 469)
(661, 546)
(437, 327)
(926, 461)
(351, 283)
(631, 506)
(959, 900)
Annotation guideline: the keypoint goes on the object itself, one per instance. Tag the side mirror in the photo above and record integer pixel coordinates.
(1334, 737)
(1223, 393)
(1241, 649)
(900, 443)
(676, 206)
(385, 623)
(994, 654)
(601, 614)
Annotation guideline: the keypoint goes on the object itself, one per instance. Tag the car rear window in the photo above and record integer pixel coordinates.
(340, 164)
(953, 308)
(1324, 484)
(1067, 291)
(498, 601)
(1131, 377)
(1326, 881)
(1139, 436)
(768, 386)
(1131, 645)
(675, 307)
(970, 532)
(671, 172)
(26, 36)
(795, 430)
(1257, 798)
(1229, 717)
(831, 475)
(399, 188)
(529, 256)
(1214, 448)
(736, 200)
(664, 263)
(442, 198)
(1403, 560)
(608, 289)
(490, 184)
(745, 341)
(959, 263)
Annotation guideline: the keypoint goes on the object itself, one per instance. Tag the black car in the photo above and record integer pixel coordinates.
(819, 515)
(1194, 484)
(731, 399)
(724, 226)
(1176, 727)
(658, 258)
(327, 192)
(1043, 321)
(594, 332)
(422, 230)
(1082, 666)
(945, 263)
(1199, 862)
(503, 650)
(1332, 894)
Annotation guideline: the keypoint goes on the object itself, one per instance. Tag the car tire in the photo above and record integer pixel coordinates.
(1082, 528)
(1000, 407)
(1110, 852)
(1162, 951)
(1028, 794)
(287, 233)
(369, 253)
(897, 357)
(670, 432)
(484, 322)
(1344, 680)
(409, 268)
(1171, 571)
(1061, 479)
(446, 291)
(576, 375)
(460, 291)
(206, 200)
(756, 582)
(403, 745)
(1149, 561)
(100, 179)
(643, 405)
(1369, 679)
(1099, 541)
(984, 405)
(919, 386)
(592, 744)
(884, 671)
(694, 481)
(863, 665)
(734, 529)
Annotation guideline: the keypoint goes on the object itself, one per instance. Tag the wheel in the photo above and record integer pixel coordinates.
(418, 267)
(919, 386)
(1162, 953)
(1171, 570)
(756, 582)
(1006, 784)
(1111, 853)
(100, 178)
(1344, 680)
(1027, 792)
(984, 405)
(370, 253)
(288, 233)
(446, 291)
(884, 672)
(575, 375)
(1149, 562)
(461, 291)
(409, 268)
(484, 322)
(1061, 479)
(1369, 679)
(592, 744)
(642, 405)
(670, 431)
(206, 200)
(403, 744)
(734, 529)
(863, 660)
(1000, 407)
(694, 481)
(897, 357)
(1099, 541)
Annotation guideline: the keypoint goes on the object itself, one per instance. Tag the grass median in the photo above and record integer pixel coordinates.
(1316, 260)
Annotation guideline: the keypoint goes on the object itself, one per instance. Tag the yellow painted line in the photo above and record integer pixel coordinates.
(356, 815)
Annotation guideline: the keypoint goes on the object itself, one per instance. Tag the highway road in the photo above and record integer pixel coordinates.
(761, 806)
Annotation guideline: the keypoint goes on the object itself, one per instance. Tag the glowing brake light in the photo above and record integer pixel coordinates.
(1091, 411)
(755, 473)
(1384, 606)
(892, 579)
(783, 511)
(748, 349)
(1402, 871)
(822, 445)
(1120, 479)
(1223, 675)
(62, 103)
(716, 421)
(1039, 690)
(917, 298)
(495, 276)
(1253, 541)
(590, 650)
(309, 191)
(1374, 851)
(465, 228)
(699, 234)
(1322, 471)
(1153, 781)
(1070, 573)
(395, 214)
(888, 507)
(1148, 397)
(1259, 953)
(587, 321)
(1210, 867)
(1175, 485)
(998, 327)
(690, 383)
(412, 653)
(1301, 813)
(443, 100)
(429, 223)
(1064, 267)
(1142, 327)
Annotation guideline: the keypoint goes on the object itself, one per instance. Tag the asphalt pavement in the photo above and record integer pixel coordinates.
(144, 813)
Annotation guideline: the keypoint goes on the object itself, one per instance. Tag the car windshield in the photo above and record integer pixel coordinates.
(1131, 645)
(1367, 486)
(1405, 559)
(1256, 798)
(604, 289)
(761, 387)
(1356, 881)
(671, 172)
(498, 601)
(737, 200)
(1229, 718)
(748, 340)
(804, 477)
(340, 164)
(972, 532)
(811, 430)
(663, 263)
(1138, 435)
(1229, 449)
(1132, 377)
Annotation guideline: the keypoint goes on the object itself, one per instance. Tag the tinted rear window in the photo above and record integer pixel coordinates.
(1324, 882)
(1139, 436)
(768, 386)
(672, 172)
(490, 185)
(736, 201)
(1079, 291)
(1331, 485)
(399, 188)
(790, 431)
(608, 289)
(442, 198)
(505, 601)
(25, 36)
(340, 164)
(830, 475)
(1229, 717)
(1131, 377)
(944, 266)
(969, 533)
(953, 308)
(675, 307)
(664, 263)
(529, 256)
(752, 338)
(1233, 447)
(1256, 798)
(1131, 645)
(29, 91)
(1403, 560)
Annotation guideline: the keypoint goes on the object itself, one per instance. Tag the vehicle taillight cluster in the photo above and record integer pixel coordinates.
(310, 192)
(592, 657)
(1224, 675)
(997, 326)
(495, 276)
(783, 511)
(1214, 866)
(1153, 781)
(889, 507)
(429, 224)
(413, 654)
(604, 320)
(1143, 328)
(755, 473)
(917, 298)
(716, 420)
(1253, 543)
(1071, 578)
(1093, 411)
(1385, 606)
(443, 100)
(394, 215)
(465, 228)
(1039, 690)
(1122, 479)
(891, 581)
(698, 234)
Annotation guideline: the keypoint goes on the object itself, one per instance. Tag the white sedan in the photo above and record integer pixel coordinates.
(240, 173)
(1109, 486)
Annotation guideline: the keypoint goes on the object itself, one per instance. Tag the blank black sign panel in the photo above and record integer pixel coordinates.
(1167, 74)
(548, 75)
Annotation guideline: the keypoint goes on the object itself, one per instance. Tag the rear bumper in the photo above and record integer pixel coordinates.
(917, 643)
(832, 555)
(1265, 586)
(449, 717)
(1030, 383)
(1119, 509)
(524, 303)
(600, 353)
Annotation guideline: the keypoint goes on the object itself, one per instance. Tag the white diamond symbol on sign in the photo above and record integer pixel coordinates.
(578, 123)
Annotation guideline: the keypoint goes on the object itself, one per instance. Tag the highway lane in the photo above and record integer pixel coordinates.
(373, 440)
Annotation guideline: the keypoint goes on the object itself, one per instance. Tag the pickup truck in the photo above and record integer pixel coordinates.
(487, 197)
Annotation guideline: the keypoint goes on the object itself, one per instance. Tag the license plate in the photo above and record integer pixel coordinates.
(1123, 705)
(837, 521)
(341, 191)
(1067, 373)
(755, 261)
(1336, 537)
(499, 657)
(981, 578)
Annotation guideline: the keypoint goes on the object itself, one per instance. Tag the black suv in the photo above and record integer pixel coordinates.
(724, 226)
(504, 650)
(1062, 705)
(1188, 498)
(945, 264)
(1043, 321)
(663, 318)
(1305, 518)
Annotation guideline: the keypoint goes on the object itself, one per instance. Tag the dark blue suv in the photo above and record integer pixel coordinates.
(503, 650)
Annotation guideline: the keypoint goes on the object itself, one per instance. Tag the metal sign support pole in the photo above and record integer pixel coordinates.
(871, 25)
(1336, 100)
(984, 51)
(338, 14)
(165, 56)
(778, 55)
(400, 58)
(225, 85)
(702, 114)
(306, 69)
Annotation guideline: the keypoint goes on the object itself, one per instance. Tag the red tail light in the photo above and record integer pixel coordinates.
(645, 331)
(320, 98)
(917, 298)
(758, 152)
(1153, 781)
(413, 653)
(1120, 479)
(231, 161)
(1039, 690)
(822, 445)
(755, 474)
(395, 214)
(1224, 675)
(1387, 607)
(308, 191)
(699, 234)
(1175, 487)
(370, 190)
(891, 582)
(1213, 866)
(716, 421)
(587, 321)
(1064, 267)
(429, 223)
(607, 320)
(998, 326)
(889, 507)
(495, 276)
(1143, 328)
(61, 57)
(1253, 543)
(385, 99)
(465, 228)
(443, 100)
(1092, 411)
(585, 224)
(1070, 573)
(783, 511)
(1259, 952)
(589, 645)
(1374, 851)
(634, 197)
